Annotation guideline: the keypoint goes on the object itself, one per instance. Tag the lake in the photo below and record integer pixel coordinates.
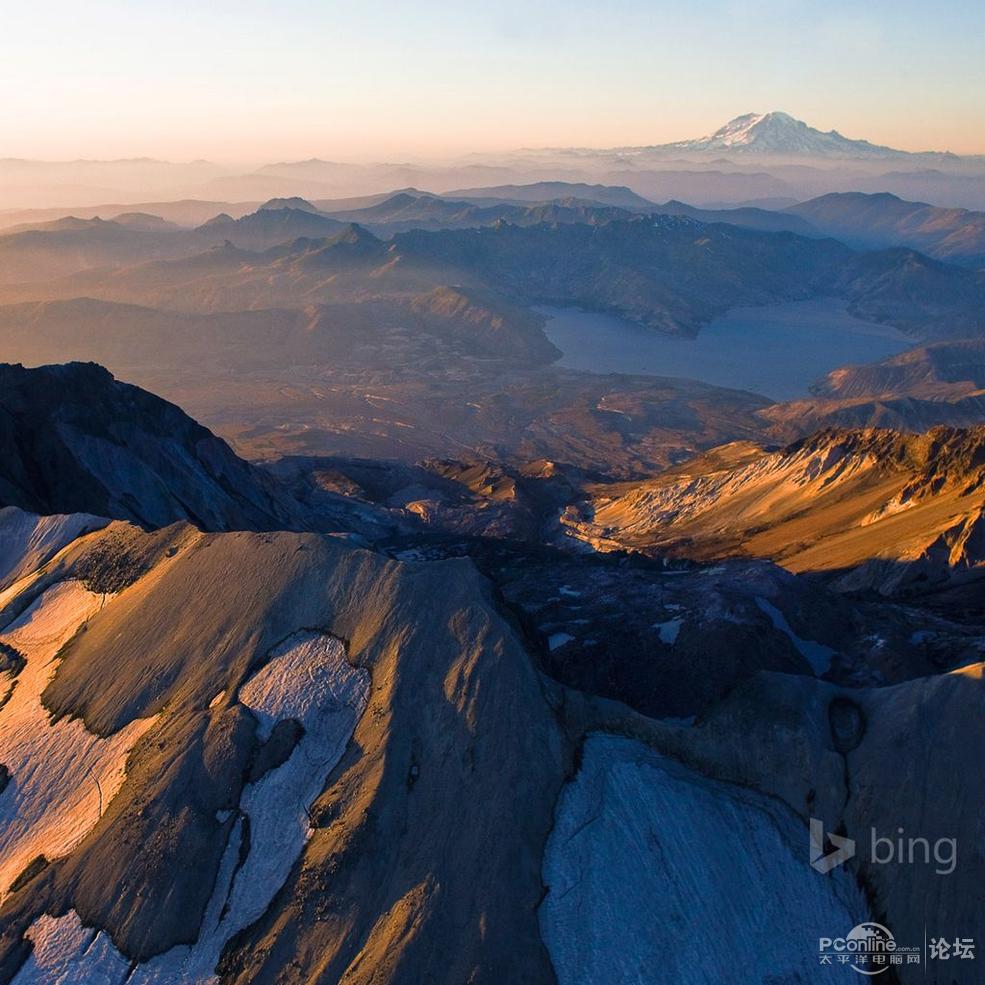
(777, 350)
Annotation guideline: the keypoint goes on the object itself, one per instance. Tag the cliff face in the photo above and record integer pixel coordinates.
(74, 439)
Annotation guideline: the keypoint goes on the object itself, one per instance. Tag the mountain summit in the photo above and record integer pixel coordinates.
(780, 134)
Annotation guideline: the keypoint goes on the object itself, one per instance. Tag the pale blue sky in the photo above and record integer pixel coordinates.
(256, 80)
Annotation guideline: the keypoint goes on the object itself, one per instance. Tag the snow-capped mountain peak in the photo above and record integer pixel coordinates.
(753, 127)
(779, 133)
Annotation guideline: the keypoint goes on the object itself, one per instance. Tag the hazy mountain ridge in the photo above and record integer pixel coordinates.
(755, 156)
(673, 274)
(900, 288)
(403, 212)
(548, 191)
(67, 246)
(957, 235)
(762, 219)
(269, 227)
(864, 221)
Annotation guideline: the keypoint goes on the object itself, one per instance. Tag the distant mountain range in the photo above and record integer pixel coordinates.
(671, 272)
(94, 237)
(866, 221)
(743, 162)
(413, 279)
(548, 191)
(269, 226)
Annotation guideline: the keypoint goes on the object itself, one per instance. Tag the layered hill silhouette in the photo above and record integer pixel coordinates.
(865, 221)
(404, 211)
(670, 273)
(957, 235)
(69, 245)
(614, 196)
(673, 273)
(268, 227)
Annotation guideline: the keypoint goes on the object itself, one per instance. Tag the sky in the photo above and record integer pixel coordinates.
(253, 81)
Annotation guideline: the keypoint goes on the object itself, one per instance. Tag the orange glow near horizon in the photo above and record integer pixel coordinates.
(256, 82)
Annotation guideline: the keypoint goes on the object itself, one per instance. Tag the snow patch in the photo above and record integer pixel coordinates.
(557, 640)
(817, 655)
(28, 541)
(58, 942)
(658, 874)
(308, 679)
(62, 777)
(669, 630)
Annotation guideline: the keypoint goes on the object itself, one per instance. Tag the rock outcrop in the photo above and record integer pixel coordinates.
(73, 439)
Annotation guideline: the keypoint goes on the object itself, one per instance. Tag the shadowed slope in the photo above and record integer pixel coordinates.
(74, 439)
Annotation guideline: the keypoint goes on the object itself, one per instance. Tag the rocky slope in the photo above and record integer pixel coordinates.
(951, 407)
(324, 786)
(75, 439)
(665, 841)
(943, 371)
(426, 777)
(908, 508)
(927, 386)
(275, 757)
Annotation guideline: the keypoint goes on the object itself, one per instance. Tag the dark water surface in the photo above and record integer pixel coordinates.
(777, 350)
